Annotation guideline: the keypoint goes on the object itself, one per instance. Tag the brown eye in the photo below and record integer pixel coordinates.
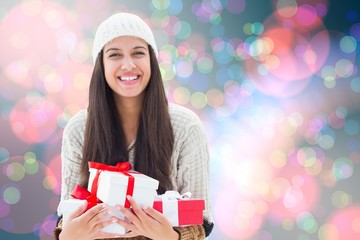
(114, 55)
(138, 53)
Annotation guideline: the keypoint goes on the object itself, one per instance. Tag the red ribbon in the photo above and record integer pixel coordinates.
(83, 194)
(121, 167)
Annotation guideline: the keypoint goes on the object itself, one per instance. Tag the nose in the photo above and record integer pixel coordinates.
(127, 63)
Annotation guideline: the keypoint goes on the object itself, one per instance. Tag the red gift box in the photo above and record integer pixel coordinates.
(180, 210)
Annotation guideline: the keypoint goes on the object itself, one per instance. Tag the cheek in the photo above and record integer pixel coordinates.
(108, 69)
(149, 70)
(145, 66)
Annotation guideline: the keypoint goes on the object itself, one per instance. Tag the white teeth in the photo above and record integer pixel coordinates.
(128, 78)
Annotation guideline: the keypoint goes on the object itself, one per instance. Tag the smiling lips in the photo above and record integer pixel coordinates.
(129, 80)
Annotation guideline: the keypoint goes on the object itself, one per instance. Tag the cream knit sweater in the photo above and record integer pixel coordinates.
(190, 158)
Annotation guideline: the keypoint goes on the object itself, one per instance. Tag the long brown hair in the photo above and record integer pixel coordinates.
(105, 140)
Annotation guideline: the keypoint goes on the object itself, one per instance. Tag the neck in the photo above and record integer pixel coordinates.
(129, 106)
(129, 110)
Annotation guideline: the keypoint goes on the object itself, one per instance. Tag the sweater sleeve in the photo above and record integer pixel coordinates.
(192, 161)
(71, 154)
(193, 168)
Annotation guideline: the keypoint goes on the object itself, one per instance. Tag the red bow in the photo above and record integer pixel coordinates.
(119, 167)
(83, 194)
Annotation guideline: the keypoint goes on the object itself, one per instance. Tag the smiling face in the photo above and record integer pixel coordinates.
(127, 67)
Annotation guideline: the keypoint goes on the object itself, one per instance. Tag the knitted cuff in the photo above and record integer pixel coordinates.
(191, 232)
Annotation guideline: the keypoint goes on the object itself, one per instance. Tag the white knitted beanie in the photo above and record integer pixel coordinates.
(122, 24)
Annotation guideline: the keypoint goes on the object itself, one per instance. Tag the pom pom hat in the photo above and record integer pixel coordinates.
(122, 24)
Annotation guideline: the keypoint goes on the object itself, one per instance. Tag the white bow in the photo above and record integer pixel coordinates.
(173, 195)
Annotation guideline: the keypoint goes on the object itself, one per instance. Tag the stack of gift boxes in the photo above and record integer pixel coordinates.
(111, 185)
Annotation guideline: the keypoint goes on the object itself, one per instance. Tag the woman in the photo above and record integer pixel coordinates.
(129, 119)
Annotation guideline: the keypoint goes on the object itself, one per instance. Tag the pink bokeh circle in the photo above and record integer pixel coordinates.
(298, 192)
(345, 222)
(34, 119)
(287, 56)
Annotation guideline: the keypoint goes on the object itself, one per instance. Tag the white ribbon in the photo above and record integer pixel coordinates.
(172, 195)
(170, 205)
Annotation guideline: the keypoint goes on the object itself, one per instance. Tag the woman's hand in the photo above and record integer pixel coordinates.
(147, 222)
(87, 225)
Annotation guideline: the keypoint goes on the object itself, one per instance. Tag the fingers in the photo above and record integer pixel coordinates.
(80, 210)
(90, 224)
(144, 213)
(145, 221)
(138, 218)
(101, 224)
(156, 215)
(130, 216)
(100, 234)
(136, 208)
(92, 213)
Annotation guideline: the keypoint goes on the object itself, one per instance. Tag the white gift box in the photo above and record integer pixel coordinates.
(70, 205)
(112, 187)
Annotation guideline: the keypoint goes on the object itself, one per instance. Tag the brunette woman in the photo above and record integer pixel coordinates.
(129, 119)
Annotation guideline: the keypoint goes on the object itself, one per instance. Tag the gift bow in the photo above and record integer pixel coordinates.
(91, 197)
(173, 195)
(121, 167)
(83, 194)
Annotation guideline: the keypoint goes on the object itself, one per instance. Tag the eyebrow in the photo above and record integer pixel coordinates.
(115, 49)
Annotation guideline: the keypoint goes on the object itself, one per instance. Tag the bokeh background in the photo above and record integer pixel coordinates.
(276, 84)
